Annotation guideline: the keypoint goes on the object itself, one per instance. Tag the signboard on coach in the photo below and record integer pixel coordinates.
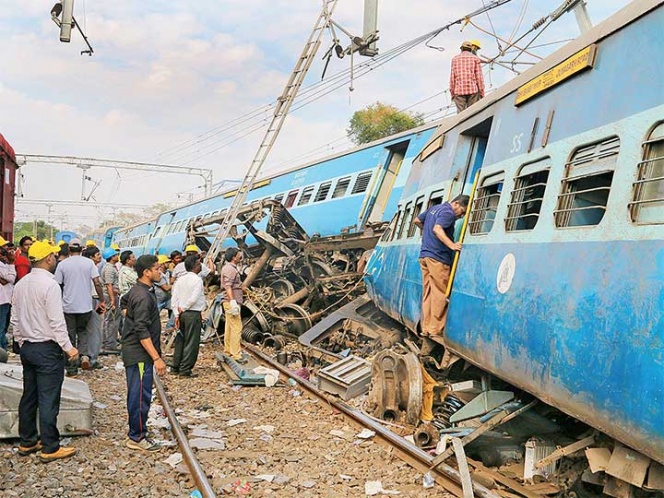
(576, 63)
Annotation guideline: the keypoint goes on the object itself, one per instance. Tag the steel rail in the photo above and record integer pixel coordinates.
(188, 456)
(446, 476)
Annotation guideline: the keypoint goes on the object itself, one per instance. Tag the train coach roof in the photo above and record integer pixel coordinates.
(9, 150)
(619, 20)
(271, 175)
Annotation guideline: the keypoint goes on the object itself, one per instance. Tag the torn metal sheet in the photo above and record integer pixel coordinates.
(74, 419)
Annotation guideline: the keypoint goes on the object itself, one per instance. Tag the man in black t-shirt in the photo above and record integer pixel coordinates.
(141, 349)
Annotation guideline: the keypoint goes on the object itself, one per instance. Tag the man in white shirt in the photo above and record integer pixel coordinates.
(192, 250)
(7, 279)
(74, 275)
(188, 301)
(41, 332)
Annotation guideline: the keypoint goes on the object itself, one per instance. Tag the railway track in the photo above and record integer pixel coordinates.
(445, 476)
(303, 451)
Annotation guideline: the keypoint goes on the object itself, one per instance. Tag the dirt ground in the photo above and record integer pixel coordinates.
(277, 442)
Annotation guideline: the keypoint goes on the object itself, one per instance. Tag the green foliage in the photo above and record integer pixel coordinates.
(38, 228)
(378, 121)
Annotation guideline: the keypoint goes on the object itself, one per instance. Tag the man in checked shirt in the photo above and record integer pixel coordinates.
(466, 79)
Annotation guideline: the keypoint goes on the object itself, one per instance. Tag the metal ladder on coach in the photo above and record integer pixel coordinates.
(281, 110)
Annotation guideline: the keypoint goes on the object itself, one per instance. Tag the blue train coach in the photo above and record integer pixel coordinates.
(558, 289)
(343, 191)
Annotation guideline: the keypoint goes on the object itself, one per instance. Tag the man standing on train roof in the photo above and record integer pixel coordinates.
(466, 78)
(40, 330)
(141, 350)
(231, 284)
(436, 257)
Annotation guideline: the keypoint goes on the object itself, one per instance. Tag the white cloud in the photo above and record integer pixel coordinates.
(164, 72)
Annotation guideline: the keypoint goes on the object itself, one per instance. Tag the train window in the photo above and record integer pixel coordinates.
(485, 204)
(323, 190)
(279, 197)
(587, 183)
(362, 183)
(341, 187)
(523, 211)
(406, 219)
(306, 196)
(387, 234)
(397, 221)
(290, 200)
(436, 198)
(648, 190)
(419, 203)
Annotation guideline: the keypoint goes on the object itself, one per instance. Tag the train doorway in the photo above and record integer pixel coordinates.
(476, 138)
(380, 193)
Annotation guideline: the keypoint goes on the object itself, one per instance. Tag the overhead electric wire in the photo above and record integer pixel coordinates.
(517, 25)
(318, 90)
(215, 131)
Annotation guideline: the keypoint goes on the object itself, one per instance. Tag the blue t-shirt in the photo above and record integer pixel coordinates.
(442, 215)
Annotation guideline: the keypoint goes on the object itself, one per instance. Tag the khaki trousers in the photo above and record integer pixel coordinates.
(435, 276)
(232, 333)
(464, 101)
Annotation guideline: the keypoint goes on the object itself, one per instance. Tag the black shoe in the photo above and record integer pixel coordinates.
(188, 374)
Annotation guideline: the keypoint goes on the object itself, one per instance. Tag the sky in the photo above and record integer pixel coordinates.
(170, 82)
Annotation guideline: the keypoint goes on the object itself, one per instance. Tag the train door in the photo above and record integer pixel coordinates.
(379, 194)
(160, 234)
(476, 139)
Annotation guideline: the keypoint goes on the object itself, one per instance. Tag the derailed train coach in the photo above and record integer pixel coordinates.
(8, 172)
(558, 288)
(342, 192)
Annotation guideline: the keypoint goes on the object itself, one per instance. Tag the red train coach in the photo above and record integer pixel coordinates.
(8, 169)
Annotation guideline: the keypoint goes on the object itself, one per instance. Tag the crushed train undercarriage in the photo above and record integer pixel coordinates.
(292, 279)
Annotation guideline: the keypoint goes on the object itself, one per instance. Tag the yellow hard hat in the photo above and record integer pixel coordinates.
(90, 243)
(3, 242)
(61, 243)
(162, 258)
(191, 248)
(39, 250)
(476, 43)
(115, 246)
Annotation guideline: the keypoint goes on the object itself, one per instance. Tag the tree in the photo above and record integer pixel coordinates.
(378, 121)
(38, 228)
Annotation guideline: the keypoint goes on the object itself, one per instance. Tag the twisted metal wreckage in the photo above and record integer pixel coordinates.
(307, 292)
(292, 279)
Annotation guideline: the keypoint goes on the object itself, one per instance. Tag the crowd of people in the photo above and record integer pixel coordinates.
(69, 304)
